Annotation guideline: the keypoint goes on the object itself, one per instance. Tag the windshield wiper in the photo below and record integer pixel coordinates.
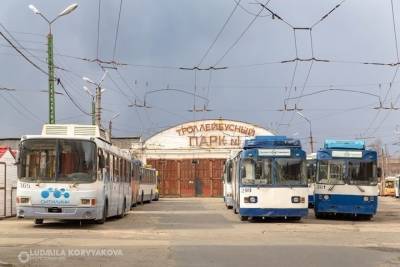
(331, 188)
(360, 188)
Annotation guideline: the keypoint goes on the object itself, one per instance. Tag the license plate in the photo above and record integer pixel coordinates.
(54, 210)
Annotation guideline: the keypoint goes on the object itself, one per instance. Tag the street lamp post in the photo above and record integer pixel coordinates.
(97, 103)
(311, 137)
(93, 104)
(110, 123)
(50, 62)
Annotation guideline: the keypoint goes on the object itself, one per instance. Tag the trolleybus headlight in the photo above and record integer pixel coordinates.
(252, 199)
(88, 201)
(296, 199)
(23, 200)
(326, 197)
(366, 198)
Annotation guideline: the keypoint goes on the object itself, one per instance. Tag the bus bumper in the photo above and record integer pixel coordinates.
(67, 213)
(260, 212)
(346, 204)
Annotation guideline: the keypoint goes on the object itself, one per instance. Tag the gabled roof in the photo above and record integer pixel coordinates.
(4, 149)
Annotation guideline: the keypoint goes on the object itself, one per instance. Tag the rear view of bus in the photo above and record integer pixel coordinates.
(347, 179)
(271, 179)
(227, 178)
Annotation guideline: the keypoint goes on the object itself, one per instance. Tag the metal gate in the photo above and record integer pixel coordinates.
(7, 191)
(189, 177)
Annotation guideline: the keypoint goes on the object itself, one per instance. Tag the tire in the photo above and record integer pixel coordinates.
(295, 218)
(235, 211)
(122, 215)
(244, 218)
(157, 197)
(104, 215)
(38, 221)
(151, 196)
(319, 215)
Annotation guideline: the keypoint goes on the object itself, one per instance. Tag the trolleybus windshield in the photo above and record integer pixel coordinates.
(58, 160)
(362, 172)
(290, 172)
(260, 172)
(332, 171)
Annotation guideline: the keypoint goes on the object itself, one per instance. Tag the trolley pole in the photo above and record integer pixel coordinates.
(50, 62)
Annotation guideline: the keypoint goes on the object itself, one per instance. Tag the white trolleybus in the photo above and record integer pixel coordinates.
(311, 176)
(270, 179)
(71, 172)
(227, 179)
(148, 185)
(347, 179)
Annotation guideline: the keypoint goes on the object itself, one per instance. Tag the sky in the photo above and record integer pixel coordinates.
(155, 39)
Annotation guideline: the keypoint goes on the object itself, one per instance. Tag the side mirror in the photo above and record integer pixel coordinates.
(102, 162)
(379, 172)
(243, 172)
(17, 158)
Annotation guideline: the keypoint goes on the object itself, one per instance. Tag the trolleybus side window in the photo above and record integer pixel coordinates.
(247, 172)
(107, 178)
(229, 173)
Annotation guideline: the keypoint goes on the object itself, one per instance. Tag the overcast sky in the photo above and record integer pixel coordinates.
(167, 34)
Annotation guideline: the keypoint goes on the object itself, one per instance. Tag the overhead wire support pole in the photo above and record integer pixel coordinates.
(50, 59)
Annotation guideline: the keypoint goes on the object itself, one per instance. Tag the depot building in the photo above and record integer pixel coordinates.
(190, 157)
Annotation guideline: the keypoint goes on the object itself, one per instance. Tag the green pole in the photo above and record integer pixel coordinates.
(52, 115)
(93, 112)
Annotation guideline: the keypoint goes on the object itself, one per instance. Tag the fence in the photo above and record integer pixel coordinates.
(8, 177)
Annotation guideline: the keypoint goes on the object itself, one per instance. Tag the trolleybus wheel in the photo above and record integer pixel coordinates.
(244, 218)
(38, 221)
(123, 210)
(104, 215)
(235, 211)
(318, 215)
(157, 197)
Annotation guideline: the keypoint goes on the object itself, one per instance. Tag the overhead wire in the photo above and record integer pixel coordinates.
(220, 32)
(117, 29)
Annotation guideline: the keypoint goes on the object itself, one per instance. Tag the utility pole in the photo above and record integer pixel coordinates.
(311, 137)
(110, 124)
(383, 172)
(98, 106)
(50, 62)
(50, 59)
(96, 99)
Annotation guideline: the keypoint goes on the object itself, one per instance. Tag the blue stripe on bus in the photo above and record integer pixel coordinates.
(260, 212)
(350, 204)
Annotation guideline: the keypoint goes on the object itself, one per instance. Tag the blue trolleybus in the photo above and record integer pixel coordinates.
(347, 179)
(269, 179)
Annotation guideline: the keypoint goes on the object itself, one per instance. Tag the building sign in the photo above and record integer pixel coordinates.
(222, 127)
(204, 134)
(215, 134)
